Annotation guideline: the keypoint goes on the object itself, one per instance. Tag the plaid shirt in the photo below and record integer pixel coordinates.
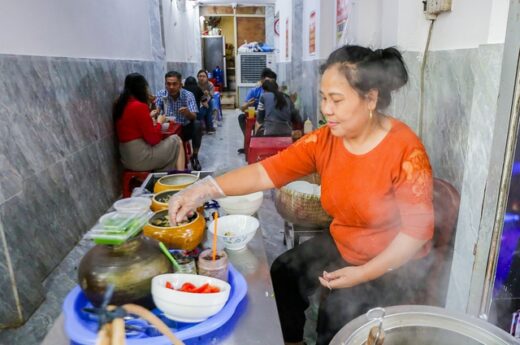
(170, 107)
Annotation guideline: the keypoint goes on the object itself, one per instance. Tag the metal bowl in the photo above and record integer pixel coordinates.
(424, 325)
(174, 182)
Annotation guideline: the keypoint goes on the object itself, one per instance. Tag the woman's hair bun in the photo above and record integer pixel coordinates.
(366, 69)
(393, 66)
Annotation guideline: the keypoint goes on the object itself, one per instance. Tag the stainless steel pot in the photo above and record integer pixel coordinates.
(424, 325)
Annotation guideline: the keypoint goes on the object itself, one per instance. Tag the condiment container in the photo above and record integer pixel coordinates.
(187, 265)
(217, 268)
(307, 126)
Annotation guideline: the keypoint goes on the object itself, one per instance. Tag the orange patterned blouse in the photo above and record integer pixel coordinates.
(372, 197)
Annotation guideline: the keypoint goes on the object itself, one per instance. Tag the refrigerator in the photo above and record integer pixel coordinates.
(214, 54)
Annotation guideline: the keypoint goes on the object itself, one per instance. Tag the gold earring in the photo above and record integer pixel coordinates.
(370, 114)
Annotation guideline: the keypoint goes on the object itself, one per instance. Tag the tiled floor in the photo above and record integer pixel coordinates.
(219, 154)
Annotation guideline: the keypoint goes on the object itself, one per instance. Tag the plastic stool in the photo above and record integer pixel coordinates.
(263, 147)
(132, 179)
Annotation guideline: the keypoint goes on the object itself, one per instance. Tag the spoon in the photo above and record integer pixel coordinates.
(169, 256)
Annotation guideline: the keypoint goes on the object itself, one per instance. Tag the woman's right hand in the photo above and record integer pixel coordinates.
(161, 119)
(154, 113)
(188, 200)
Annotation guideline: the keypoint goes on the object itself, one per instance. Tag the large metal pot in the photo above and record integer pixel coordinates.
(424, 325)
(130, 267)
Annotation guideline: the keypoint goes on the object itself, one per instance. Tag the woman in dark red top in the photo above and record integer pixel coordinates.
(139, 133)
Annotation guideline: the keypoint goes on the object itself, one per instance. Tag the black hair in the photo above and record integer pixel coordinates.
(366, 69)
(135, 86)
(173, 74)
(271, 86)
(202, 71)
(190, 81)
(268, 73)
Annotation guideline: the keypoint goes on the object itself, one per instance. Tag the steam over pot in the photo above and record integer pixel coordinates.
(421, 325)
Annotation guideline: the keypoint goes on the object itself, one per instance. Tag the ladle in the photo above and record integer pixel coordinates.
(169, 256)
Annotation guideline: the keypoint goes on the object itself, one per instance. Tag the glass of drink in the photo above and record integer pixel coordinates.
(251, 112)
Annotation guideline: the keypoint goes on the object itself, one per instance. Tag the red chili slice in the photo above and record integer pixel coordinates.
(213, 289)
(188, 287)
(169, 285)
(201, 288)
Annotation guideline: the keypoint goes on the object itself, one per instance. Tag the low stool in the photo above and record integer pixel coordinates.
(132, 179)
(263, 147)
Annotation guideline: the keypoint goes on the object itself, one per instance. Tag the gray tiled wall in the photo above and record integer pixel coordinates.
(59, 163)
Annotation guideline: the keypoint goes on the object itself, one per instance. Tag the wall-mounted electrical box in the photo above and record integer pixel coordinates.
(437, 6)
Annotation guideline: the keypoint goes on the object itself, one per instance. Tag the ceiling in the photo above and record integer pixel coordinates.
(238, 2)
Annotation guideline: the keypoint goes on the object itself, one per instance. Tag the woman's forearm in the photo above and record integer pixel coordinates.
(248, 179)
(401, 250)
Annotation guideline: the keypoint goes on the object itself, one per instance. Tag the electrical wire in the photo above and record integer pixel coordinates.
(421, 88)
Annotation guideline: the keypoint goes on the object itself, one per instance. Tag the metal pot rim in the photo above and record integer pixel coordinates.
(402, 316)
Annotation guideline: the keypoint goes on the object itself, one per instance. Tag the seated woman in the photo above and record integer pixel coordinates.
(205, 85)
(204, 115)
(276, 112)
(139, 133)
(376, 183)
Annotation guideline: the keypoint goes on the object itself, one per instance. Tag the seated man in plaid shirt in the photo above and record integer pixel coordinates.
(179, 106)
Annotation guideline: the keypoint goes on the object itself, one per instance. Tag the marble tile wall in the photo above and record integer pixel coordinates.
(59, 163)
(486, 69)
(301, 76)
(449, 84)
(185, 68)
(269, 25)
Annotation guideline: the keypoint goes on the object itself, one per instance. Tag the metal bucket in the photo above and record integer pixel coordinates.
(424, 325)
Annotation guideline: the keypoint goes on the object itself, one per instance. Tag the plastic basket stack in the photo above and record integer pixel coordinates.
(300, 208)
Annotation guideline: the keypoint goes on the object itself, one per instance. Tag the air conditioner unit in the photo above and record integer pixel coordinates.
(249, 68)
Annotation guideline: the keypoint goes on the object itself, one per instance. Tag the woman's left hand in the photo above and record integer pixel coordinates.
(343, 278)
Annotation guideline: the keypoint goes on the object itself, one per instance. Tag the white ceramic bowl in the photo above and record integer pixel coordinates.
(187, 306)
(134, 204)
(242, 204)
(235, 230)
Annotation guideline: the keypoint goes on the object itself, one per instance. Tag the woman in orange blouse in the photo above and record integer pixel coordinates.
(376, 184)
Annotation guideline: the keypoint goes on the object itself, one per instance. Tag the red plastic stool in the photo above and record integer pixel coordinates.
(132, 179)
(263, 147)
(250, 126)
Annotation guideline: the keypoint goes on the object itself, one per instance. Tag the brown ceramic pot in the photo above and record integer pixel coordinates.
(130, 267)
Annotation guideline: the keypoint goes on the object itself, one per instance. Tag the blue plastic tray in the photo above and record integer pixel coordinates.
(81, 327)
